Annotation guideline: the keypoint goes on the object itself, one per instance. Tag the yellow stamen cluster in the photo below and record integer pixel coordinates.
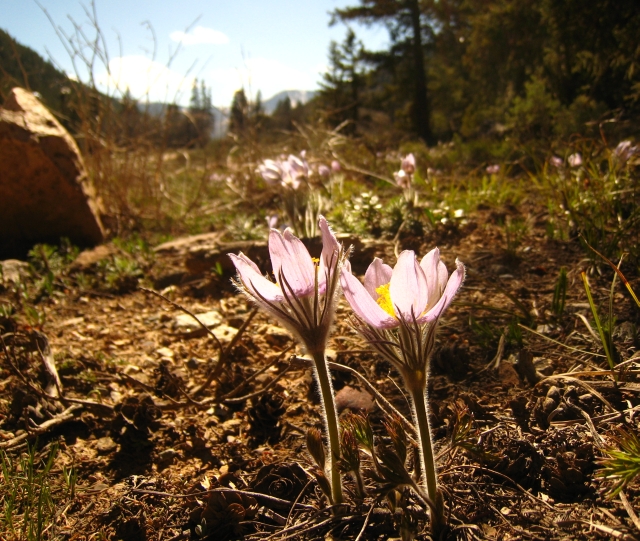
(384, 300)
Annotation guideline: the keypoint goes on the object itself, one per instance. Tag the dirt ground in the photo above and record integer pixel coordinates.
(173, 439)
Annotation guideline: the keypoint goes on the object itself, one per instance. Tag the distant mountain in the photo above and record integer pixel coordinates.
(296, 97)
(22, 66)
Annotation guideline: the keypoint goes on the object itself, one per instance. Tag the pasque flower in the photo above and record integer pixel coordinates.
(397, 313)
(409, 293)
(288, 173)
(303, 299)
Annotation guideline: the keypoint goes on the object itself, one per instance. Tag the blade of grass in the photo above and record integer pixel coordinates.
(603, 337)
(617, 271)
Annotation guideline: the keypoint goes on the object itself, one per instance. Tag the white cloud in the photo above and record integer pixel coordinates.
(265, 74)
(200, 35)
(145, 79)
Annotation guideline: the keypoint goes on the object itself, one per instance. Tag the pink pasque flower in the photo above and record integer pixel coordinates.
(294, 298)
(410, 292)
(556, 162)
(272, 221)
(575, 160)
(271, 171)
(335, 166)
(298, 166)
(324, 170)
(493, 169)
(402, 179)
(408, 164)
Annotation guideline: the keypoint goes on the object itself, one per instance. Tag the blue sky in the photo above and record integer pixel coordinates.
(258, 45)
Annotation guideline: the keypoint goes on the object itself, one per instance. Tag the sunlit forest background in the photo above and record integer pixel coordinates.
(499, 79)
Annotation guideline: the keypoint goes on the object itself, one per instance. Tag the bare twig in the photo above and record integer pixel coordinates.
(632, 514)
(241, 399)
(278, 502)
(63, 417)
(253, 376)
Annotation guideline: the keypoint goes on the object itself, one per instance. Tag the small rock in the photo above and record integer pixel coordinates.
(165, 352)
(275, 336)
(209, 319)
(231, 426)
(224, 333)
(166, 457)
(106, 445)
(508, 375)
(13, 270)
(89, 258)
(354, 399)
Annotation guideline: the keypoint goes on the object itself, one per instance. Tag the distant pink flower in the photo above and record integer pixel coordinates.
(556, 162)
(335, 166)
(575, 160)
(271, 171)
(272, 221)
(408, 164)
(402, 179)
(288, 173)
(409, 292)
(323, 170)
(624, 151)
(493, 169)
(298, 166)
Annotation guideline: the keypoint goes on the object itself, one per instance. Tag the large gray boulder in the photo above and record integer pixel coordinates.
(45, 193)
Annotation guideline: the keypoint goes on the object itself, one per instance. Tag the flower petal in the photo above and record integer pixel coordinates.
(330, 245)
(290, 257)
(256, 284)
(430, 266)
(363, 304)
(453, 285)
(330, 254)
(408, 287)
(377, 275)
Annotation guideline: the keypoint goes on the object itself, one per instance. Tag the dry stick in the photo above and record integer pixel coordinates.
(253, 376)
(616, 534)
(257, 495)
(42, 393)
(63, 417)
(224, 353)
(366, 523)
(241, 399)
(383, 402)
(632, 514)
(493, 472)
(300, 494)
(495, 362)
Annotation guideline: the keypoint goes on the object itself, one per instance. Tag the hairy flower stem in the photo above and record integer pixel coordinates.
(331, 422)
(419, 399)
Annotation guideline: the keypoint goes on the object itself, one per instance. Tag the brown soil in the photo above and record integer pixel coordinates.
(152, 454)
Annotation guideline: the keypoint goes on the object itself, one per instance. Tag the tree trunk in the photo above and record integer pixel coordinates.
(420, 113)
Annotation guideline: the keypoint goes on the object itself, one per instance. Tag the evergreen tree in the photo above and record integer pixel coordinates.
(407, 27)
(239, 114)
(340, 94)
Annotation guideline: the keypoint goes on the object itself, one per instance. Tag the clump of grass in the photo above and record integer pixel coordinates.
(31, 495)
(622, 463)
